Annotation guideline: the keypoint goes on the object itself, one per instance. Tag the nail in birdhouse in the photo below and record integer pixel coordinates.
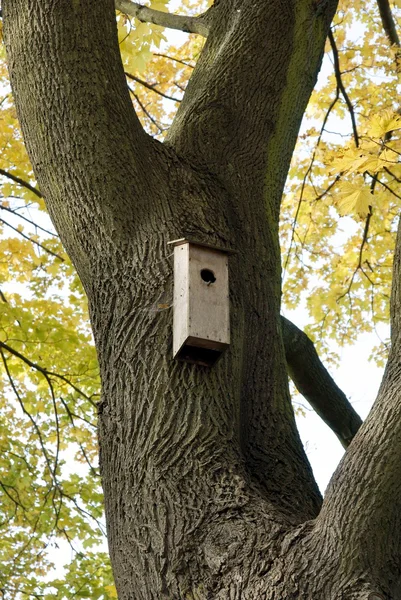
(201, 328)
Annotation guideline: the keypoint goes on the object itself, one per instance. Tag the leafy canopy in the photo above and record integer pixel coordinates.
(338, 228)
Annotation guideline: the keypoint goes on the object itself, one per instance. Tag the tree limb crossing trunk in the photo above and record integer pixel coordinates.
(314, 382)
(208, 492)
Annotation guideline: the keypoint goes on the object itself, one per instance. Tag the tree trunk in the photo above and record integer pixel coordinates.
(208, 492)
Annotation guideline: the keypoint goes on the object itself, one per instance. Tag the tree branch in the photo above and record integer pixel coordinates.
(152, 88)
(146, 112)
(177, 60)
(16, 214)
(388, 22)
(308, 170)
(30, 239)
(45, 372)
(164, 19)
(21, 182)
(337, 71)
(314, 382)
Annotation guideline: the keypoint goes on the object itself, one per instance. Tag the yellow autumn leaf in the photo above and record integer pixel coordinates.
(40, 406)
(158, 37)
(142, 29)
(354, 199)
(358, 160)
(36, 260)
(138, 61)
(53, 268)
(159, 6)
(80, 434)
(389, 155)
(123, 30)
(383, 122)
(352, 160)
(373, 164)
(111, 591)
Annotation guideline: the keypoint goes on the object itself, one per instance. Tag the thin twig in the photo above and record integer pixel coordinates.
(294, 223)
(21, 182)
(364, 237)
(150, 87)
(388, 188)
(340, 84)
(146, 112)
(329, 187)
(56, 457)
(182, 62)
(5, 488)
(10, 210)
(27, 413)
(32, 240)
(180, 87)
(45, 371)
(392, 174)
(71, 416)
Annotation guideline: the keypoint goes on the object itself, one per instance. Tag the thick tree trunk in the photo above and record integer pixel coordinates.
(208, 492)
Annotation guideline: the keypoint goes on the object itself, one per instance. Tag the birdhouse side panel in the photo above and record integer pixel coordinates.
(181, 297)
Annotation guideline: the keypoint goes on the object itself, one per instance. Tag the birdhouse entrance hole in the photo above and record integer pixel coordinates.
(208, 276)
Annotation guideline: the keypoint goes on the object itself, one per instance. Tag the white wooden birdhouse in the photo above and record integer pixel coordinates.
(201, 328)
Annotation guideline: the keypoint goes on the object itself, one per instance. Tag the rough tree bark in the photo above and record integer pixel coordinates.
(208, 492)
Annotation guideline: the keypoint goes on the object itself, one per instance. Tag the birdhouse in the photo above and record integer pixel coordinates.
(201, 328)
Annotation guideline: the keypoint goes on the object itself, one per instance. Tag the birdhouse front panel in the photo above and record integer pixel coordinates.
(201, 303)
